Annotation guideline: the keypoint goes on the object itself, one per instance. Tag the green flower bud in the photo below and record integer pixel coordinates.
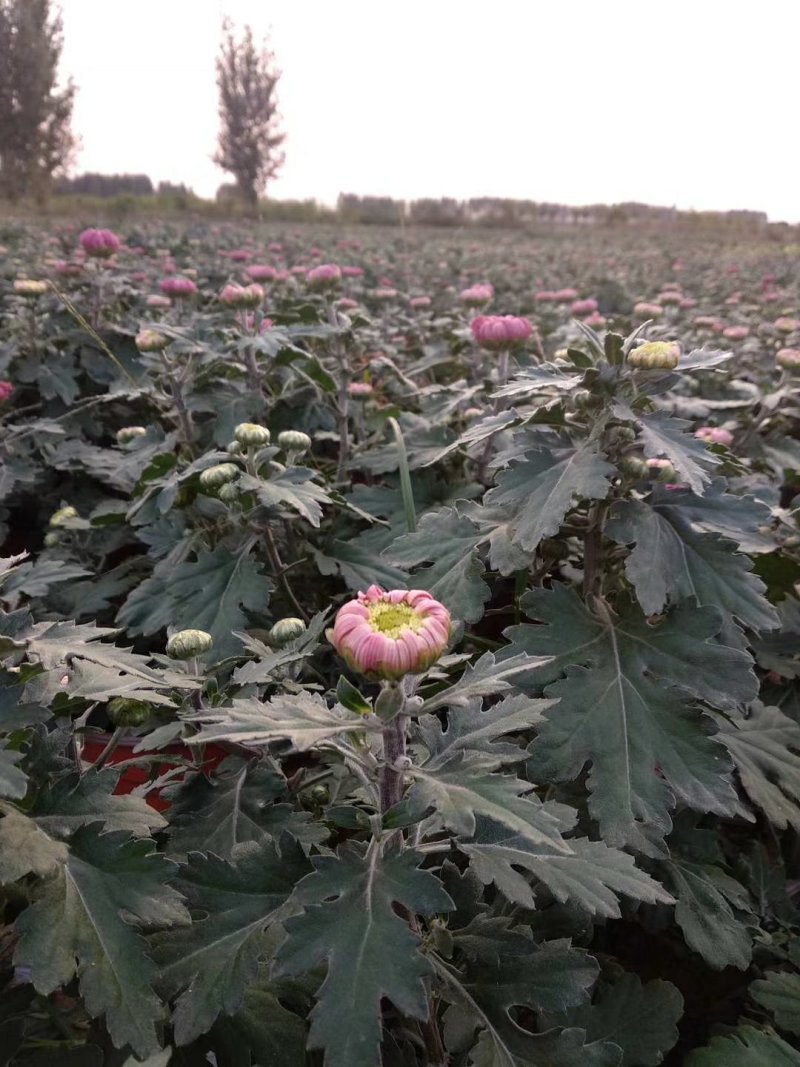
(286, 630)
(228, 493)
(234, 448)
(662, 470)
(294, 441)
(129, 433)
(219, 474)
(251, 434)
(586, 401)
(187, 643)
(621, 435)
(125, 712)
(51, 539)
(62, 516)
(656, 355)
(634, 467)
(151, 341)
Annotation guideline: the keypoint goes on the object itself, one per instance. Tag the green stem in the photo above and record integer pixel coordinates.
(110, 748)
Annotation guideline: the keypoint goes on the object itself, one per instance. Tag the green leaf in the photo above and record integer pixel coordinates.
(351, 923)
(488, 676)
(359, 567)
(25, 848)
(270, 660)
(303, 718)
(592, 876)
(779, 993)
(263, 1030)
(235, 807)
(641, 1019)
(77, 926)
(13, 781)
(541, 488)
(745, 1047)
(663, 435)
(480, 430)
(74, 801)
(766, 753)
(469, 729)
(35, 579)
(455, 576)
(706, 897)
(504, 968)
(672, 562)
(739, 518)
(212, 962)
(210, 593)
(293, 487)
(627, 707)
(704, 358)
(461, 790)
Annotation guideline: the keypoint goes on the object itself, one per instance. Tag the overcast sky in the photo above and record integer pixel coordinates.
(693, 102)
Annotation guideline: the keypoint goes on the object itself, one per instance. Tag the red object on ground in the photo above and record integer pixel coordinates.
(137, 774)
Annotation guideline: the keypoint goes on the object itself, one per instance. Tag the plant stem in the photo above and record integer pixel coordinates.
(593, 551)
(280, 573)
(110, 748)
(394, 750)
(343, 401)
(184, 418)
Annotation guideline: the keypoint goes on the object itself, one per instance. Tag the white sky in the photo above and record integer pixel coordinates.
(688, 102)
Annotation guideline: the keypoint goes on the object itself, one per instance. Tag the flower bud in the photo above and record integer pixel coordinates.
(100, 244)
(359, 390)
(30, 288)
(6, 389)
(218, 475)
(286, 630)
(391, 634)
(634, 467)
(656, 355)
(645, 310)
(250, 434)
(662, 470)
(234, 448)
(786, 324)
(187, 643)
(325, 276)
(229, 493)
(714, 435)
(178, 286)
(126, 434)
(151, 341)
(789, 359)
(62, 516)
(500, 332)
(294, 441)
(477, 295)
(122, 711)
(51, 539)
(242, 296)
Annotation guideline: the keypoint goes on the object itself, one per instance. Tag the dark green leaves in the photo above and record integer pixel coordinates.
(212, 962)
(84, 923)
(627, 707)
(351, 923)
(541, 488)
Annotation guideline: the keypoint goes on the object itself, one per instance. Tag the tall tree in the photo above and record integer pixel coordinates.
(36, 139)
(250, 138)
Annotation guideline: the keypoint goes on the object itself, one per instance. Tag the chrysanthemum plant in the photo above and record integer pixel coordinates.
(439, 742)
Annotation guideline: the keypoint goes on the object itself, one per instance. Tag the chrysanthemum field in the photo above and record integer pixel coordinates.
(400, 641)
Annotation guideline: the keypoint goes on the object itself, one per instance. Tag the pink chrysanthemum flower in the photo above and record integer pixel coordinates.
(714, 435)
(391, 634)
(499, 332)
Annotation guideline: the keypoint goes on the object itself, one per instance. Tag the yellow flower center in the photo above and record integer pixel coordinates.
(391, 619)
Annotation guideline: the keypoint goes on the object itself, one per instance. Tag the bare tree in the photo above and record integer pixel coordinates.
(36, 139)
(250, 138)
